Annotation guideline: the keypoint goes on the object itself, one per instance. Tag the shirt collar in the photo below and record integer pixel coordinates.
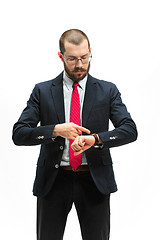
(69, 83)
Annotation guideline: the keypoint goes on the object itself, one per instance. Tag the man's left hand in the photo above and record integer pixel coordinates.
(82, 143)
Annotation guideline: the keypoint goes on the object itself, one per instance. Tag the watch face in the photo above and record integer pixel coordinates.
(96, 146)
(99, 146)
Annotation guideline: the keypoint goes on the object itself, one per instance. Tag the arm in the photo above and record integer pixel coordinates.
(125, 129)
(26, 132)
(69, 130)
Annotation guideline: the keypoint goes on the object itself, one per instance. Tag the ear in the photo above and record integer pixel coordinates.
(60, 56)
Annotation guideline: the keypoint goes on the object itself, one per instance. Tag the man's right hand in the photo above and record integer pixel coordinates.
(69, 130)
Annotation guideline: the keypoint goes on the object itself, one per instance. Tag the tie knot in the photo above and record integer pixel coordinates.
(75, 84)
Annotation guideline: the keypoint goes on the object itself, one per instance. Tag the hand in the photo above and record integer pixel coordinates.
(69, 130)
(82, 143)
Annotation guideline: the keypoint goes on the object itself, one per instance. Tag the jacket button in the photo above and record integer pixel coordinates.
(112, 138)
(40, 137)
(57, 166)
(61, 147)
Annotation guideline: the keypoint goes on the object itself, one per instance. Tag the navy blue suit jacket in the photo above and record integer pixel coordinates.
(46, 106)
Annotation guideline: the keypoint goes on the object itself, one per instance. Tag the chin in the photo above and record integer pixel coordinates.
(76, 77)
(79, 77)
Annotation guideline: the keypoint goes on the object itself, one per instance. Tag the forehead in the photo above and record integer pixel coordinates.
(76, 50)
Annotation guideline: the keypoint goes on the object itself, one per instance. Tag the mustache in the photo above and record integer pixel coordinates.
(79, 69)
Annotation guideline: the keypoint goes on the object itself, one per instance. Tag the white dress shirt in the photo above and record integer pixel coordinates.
(67, 91)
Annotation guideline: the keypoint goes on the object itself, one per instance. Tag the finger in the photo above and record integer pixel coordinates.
(76, 149)
(76, 146)
(75, 142)
(77, 153)
(83, 129)
(79, 132)
(80, 142)
(74, 136)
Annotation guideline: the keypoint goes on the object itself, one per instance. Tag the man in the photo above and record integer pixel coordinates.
(74, 165)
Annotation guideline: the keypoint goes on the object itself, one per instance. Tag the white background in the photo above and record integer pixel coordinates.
(125, 41)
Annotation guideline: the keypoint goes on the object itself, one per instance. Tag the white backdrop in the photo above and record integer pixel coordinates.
(125, 41)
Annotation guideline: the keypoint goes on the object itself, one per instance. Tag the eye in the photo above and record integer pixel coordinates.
(71, 59)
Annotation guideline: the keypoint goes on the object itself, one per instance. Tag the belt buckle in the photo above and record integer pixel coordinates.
(74, 170)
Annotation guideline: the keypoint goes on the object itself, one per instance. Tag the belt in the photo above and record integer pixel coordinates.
(81, 168)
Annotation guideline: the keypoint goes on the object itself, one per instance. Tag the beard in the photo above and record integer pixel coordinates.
(76, 77)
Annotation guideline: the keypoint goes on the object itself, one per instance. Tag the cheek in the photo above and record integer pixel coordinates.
(68, 68)
(71, 68)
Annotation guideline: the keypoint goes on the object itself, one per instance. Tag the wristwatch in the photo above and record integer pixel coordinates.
(97, 144)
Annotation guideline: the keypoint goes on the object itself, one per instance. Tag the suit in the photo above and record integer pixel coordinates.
(102, 102)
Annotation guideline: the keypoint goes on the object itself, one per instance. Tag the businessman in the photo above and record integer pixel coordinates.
(74, 164)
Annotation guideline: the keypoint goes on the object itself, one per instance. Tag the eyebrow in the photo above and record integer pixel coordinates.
(76, 57)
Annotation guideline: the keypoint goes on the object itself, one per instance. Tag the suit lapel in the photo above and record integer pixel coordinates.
(89, 98)
(58, 98)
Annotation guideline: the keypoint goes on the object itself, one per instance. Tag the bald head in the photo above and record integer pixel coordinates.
(74, 36)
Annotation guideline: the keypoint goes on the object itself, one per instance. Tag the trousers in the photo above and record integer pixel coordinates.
(92, 207)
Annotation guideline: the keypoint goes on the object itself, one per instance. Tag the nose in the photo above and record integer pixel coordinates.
(79, 62)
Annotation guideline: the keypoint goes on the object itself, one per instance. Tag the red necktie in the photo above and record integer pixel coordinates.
(75, 161)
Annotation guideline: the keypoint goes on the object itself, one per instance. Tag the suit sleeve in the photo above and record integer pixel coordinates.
(25, 131)
(125, 129)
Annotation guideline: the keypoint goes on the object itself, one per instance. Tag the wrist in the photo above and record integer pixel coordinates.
(55, 131)
(97, 139)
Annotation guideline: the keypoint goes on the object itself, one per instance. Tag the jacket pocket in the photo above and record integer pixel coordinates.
(96, 157)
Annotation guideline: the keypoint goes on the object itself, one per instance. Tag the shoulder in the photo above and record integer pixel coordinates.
(102, 83)
(49, 83)
(44, 84)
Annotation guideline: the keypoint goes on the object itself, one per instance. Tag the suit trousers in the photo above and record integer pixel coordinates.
(93, 208)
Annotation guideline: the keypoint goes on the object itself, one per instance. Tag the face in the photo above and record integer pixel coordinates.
(78, 71)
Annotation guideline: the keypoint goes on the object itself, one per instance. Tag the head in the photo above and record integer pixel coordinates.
(75, 52)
